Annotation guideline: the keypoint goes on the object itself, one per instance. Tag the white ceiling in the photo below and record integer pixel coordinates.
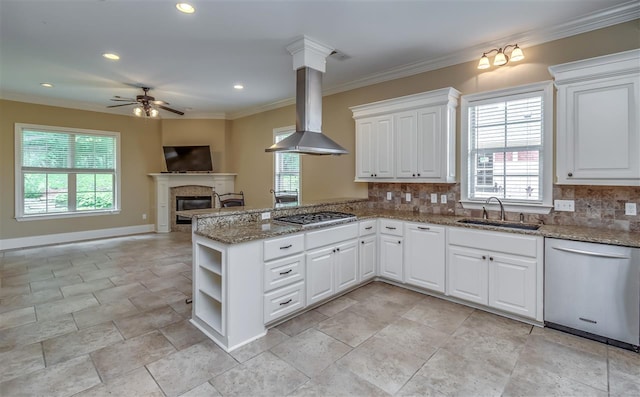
(193, 61)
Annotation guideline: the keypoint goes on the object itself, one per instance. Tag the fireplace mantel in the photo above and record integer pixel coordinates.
(219, 182)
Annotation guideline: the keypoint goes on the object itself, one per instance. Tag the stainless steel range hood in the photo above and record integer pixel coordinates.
(308, 138)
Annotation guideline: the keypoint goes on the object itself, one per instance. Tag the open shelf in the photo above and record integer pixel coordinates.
(209, 310)
(209, 258)
(210, 283)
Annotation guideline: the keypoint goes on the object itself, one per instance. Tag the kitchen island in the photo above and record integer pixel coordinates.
(251, 274)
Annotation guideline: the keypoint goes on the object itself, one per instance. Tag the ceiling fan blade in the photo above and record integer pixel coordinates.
(124, 104)
(158, 102)
(171, 110)
(122, 99)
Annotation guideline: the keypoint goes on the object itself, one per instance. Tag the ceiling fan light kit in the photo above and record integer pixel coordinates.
(501, 58)
(146, 105)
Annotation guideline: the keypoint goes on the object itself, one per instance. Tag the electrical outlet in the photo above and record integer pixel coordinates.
(144, 217)
(630, 209)
(266, 215)
(389, 196)
(434, 198)
(407, 197)
(443, 199)
(564, 205)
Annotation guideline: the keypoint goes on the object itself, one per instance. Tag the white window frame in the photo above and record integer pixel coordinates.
(288, 130)
(19, 204)
(545, 88)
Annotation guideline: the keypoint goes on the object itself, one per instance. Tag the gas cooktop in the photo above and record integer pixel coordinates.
(314, 219)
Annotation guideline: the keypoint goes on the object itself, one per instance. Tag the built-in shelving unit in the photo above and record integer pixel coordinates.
(209, 304)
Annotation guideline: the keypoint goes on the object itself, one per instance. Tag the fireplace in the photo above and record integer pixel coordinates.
(190, 203)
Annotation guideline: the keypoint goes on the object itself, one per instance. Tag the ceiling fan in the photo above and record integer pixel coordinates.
(147, 105)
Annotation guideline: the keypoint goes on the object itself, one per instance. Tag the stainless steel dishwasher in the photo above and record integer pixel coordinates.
(593, 290)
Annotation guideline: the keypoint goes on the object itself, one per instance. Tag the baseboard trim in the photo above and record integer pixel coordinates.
(58, 238)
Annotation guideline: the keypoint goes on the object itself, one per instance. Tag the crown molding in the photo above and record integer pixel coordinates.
(262, 108)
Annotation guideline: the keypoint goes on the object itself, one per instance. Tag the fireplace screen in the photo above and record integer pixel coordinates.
(184, 203)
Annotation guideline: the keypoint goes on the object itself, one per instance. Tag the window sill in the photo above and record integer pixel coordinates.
(26, 218)
(508, 207)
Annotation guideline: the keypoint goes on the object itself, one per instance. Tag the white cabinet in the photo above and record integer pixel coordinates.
(320, 271)
(374, 138)
(391, 249)
(468, 274)
(424, 256)
(420, 143)
(500, 270)
(598, 120)
(368, 257)
(346, 263)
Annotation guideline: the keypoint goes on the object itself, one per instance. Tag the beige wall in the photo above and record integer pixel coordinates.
(329, 176)
(183, 132)
(139, 144)
(238, 145)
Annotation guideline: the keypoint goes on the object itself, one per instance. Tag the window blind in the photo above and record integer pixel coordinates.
(506, 148)
(287, 168)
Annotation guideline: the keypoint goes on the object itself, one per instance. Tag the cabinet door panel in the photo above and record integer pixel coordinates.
(320, 276)
(512, 284)
(346, 265)
(366, 149)
(391, 257)
(368, 257)
(468, 274)
(429, 145)
(384, 147)
(425, 256)
(406, 131)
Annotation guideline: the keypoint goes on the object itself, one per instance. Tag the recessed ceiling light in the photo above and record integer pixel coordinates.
(238, 87)
(186, 8)
(47, 85)
(111, 56)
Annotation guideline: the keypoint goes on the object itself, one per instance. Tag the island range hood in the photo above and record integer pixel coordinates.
(309, 58)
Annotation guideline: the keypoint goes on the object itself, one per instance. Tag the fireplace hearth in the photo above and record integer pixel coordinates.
(184, 203)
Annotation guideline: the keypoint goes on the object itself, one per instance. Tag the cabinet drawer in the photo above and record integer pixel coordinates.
(332, 235)
(394, 228)
(516, 244)
(368, 227)
(283, 301)
(283, 272)
(283, 246)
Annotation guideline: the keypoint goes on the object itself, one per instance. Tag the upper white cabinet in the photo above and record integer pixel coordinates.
(598, 116)
(407, 139)
(374, 139)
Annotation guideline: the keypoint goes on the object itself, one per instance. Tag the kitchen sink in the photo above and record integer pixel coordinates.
(511, 225)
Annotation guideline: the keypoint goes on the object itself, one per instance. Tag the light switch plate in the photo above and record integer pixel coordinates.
(266, 215)
(434, 198)
(389, 195)
(564, 205)
(443, 198)
(407, 197)
(630, 209)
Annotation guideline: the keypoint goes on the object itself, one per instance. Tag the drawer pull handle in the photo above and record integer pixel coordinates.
(368, 228)
(391, 227)
(286, 246)
(287, 272)
(588, 321)
(424, 228)
(285, 303)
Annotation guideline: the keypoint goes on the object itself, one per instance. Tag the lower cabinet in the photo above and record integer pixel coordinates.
(368, 257)
(500, 270)
(391, 257)
(424, 256)
(331, 270)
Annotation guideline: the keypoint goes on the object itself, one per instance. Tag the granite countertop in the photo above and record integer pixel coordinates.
(244, 232)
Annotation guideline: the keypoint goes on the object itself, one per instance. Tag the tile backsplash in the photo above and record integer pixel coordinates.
(595, 206)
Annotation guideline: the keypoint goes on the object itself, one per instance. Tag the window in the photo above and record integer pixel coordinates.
(287, 165)
(507, 147)
(65, 172)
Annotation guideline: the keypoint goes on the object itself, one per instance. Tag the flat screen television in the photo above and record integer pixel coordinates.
(188, 158)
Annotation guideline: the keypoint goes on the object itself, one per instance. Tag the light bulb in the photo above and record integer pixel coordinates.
(186, 8)
(137, 111)
(500, 59)
(484, 62)
(517, 54)
(153, 113)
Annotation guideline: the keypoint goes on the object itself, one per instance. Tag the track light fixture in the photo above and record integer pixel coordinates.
(501, 58)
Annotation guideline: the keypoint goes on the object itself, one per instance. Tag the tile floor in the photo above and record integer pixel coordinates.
(108, 317)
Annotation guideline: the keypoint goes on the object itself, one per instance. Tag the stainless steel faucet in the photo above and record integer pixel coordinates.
(501, 206)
